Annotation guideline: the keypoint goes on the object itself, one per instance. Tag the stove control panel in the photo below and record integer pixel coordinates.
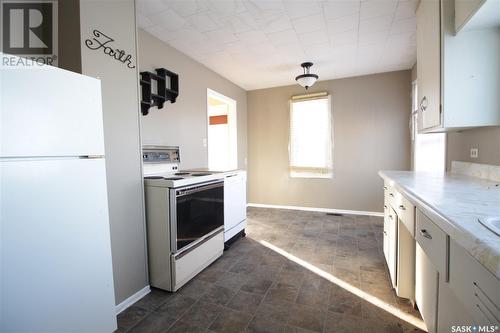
(160, 154)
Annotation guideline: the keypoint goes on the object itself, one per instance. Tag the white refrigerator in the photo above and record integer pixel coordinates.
(55, 270)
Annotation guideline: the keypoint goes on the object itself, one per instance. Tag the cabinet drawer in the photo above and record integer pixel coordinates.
(476, 288)
(406, 213)
(434, 242)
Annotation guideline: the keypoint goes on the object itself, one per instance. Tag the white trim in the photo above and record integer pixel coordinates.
(316, 209)
(132, 299)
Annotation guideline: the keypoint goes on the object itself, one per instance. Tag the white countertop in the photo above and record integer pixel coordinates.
(455, 202)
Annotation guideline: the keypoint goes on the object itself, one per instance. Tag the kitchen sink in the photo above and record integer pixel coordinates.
(492, 223)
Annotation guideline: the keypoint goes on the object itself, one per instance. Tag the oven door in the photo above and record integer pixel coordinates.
(198, 213)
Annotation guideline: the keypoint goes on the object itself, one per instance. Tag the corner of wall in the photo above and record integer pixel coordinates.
(70, 56)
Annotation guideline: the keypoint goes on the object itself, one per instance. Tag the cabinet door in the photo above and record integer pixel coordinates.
(429, 64)
(464, 10)
(386, 232)
(474, 286)
(451, 312)
(406, 263)
(393, 245)
(426, 288)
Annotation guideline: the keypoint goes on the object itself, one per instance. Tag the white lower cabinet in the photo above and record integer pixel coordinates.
(386, 232)
(451, 311)
(392, 238)
(426, 288)
(399, 244)
(430, 267)
(475, 287)
(451, 289)
(405, 285)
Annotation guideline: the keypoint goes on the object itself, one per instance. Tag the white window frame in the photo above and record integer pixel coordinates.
(311, 171)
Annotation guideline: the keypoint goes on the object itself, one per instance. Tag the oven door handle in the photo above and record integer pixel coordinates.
(181, 192)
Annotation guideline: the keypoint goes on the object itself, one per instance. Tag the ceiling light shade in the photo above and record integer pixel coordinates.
(307, 79)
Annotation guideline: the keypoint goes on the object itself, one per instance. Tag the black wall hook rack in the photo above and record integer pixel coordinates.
(149, 97)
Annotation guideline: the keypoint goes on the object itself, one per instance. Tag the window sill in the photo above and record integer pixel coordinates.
(311, 175)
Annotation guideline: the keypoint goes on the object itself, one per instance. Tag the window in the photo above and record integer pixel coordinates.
(311, 137)
(429, 150)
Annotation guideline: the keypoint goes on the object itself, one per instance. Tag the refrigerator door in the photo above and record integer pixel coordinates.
(55, 249)
(47, 111)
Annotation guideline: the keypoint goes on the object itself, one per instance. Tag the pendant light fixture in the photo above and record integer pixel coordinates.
(307, 79)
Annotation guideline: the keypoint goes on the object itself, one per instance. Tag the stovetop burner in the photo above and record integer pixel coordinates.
(200, 174)
(173, 178)
(181, 173)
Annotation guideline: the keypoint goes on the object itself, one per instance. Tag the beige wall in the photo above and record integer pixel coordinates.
(184, 123)
(371, 115)
(121, 137)
(487, 140)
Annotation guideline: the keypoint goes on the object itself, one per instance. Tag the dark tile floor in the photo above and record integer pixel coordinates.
(253, 288)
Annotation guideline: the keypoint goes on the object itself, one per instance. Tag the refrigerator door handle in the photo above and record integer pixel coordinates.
(91, 156)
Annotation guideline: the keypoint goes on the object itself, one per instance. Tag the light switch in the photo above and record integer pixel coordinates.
(474, 153)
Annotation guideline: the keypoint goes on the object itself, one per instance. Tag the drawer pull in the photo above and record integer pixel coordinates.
(391, 194)
(385, 187)
(391, 217)
(425, 234)
(402, 207)
(385, 206)
(385, 233)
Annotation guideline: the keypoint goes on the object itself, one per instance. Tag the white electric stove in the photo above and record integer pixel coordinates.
(184, 216)
(161, 168)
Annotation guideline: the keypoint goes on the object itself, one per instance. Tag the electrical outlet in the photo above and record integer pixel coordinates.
(474, 153)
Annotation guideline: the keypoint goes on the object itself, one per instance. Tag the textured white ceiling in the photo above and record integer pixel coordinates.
(261, 43)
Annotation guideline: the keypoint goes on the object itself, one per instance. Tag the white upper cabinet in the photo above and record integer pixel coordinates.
(429, 64)
(476, 14)
(464, 10)
(458, 74)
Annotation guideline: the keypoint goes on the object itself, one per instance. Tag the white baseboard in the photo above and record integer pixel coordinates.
(315, 209)
(132, 299)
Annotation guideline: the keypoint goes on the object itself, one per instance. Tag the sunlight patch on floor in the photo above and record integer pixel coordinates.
(417, 322)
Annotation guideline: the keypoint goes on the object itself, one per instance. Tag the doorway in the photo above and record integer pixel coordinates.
(222, 136)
